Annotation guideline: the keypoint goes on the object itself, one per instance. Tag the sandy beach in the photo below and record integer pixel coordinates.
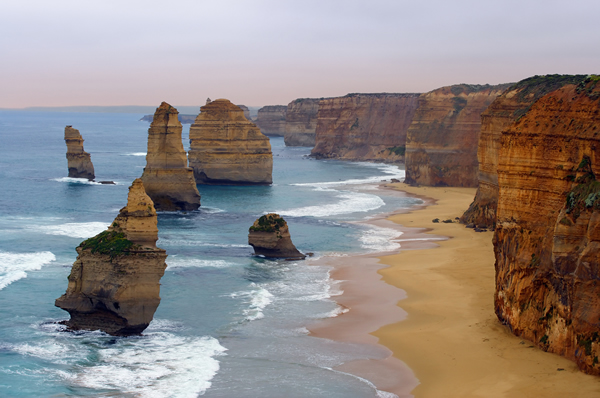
(431, 305)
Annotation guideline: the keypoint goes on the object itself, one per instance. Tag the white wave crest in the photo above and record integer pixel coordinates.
(14, 266)
(389, 170)
(257, 300)
(71, 180)
(378, 239)
(135, 154)
(73, 229)
(187, 262)
(351, 202)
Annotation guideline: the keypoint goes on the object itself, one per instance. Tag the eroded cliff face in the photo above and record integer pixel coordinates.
(167, 179)
(79, 161)
(269, 236)
(271, 120)
(114, 283)
(226, 148)
(364, 126)
(301, 122)
(442, 140)
(547, 238)
(504, 111)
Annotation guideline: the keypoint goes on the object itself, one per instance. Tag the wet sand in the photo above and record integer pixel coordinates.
(431, 305)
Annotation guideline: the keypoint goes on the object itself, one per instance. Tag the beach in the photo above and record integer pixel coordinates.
(442, 333)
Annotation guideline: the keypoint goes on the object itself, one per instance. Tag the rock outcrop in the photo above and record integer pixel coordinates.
(547, 237)
(504, 111)
(114, 283)
(271, 120)
(270, 237)
(301, 122)
(364, 126)
(442, 140)
(167, 179)
(246, 111)
(79, 161)
(226, 148)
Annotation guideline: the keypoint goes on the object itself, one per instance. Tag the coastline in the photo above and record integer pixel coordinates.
(432, 308)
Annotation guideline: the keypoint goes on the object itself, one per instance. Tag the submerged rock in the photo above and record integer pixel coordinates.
(114, 283)
(79, 161)
(167, 179)
(226, 148)
(270, 237)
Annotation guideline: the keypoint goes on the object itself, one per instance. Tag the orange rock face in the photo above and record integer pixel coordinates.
(226, 148)
(79, 161)
(442, 141)
(271, 120)
(364, 126)
(269, 236)
(505, 109)
(301, 122)
(114, 283)
(547, 238)
(167, 179)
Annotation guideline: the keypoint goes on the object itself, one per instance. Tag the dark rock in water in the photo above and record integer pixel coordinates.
(79, 161)
(270, 237)
(395, 180)
(114, 283)
(107, 182)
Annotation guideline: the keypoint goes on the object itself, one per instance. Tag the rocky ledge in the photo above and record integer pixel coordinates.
(270, 237)
(114, 283)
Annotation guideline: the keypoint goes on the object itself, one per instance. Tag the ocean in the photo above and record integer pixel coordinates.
(229, 324)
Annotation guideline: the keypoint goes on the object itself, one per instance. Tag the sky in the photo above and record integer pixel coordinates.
(263, 52)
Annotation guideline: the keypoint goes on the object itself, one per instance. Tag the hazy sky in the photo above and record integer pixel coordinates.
(263, 52)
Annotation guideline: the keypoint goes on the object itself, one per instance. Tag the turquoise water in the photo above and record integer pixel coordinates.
(229, 324)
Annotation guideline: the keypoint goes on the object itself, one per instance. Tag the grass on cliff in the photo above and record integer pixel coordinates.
(588, 85)
(398, 150)
(111, 243)
(586, 194)
(268, 223)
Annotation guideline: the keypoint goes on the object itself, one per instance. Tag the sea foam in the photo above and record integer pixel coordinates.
(14, 266)
(351, 202)
(73, 229)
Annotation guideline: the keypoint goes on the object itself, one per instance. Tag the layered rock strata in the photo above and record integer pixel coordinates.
(79, 161)
(226, 148)
(270, 237)
(547, 237)
(504, 111)
(301, 122)
(246, 111)
(364, 126)
(442, 140)
(271, 120)
(167, 179)
(114, 283)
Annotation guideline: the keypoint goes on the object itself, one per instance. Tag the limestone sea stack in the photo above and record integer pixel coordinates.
(442, 140)
(364, 126)
(114, 283)
(503, 112)
(167, 179)
(301, 122)
(226, 148)
(270, 237)
(547, 237)
(271, 120)
(79, 161)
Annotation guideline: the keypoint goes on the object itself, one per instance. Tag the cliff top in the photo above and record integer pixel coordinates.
(379, 95)
(165, 114)
(268, 223)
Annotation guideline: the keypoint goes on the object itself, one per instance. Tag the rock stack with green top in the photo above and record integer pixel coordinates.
(270, 237)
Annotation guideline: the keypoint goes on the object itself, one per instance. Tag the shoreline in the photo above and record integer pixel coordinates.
(430, 305)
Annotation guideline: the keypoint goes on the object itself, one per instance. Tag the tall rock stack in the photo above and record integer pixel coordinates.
(167, 179)
(79, 161)
(547, 237)
(114, 283)
(301, 122)
(226, 148)
(364, 126)
(271, 120)
(269, 236)
(442, 141)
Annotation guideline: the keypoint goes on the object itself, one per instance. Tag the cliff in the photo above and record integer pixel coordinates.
(271, 120)
(270, 237)
(167, 179)
(364, 126)
(246, 111)
(547, 237)
(79, 161)
(442, 140)
(301, 122)
(226, 148)
(114, 283)
(504, 111)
